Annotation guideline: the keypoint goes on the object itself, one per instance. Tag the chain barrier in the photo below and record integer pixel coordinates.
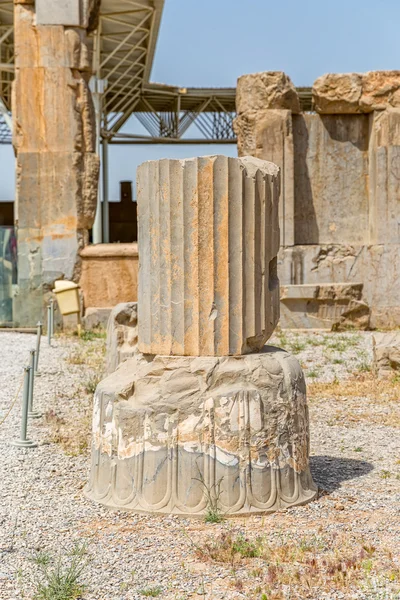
(13, 402)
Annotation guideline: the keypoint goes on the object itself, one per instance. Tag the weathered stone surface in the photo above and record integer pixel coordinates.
(381, 89)
(357, 315)
(384, 177)
(261, 91)
(386, 353)
(169, 430)
(325, 306)
(263, 126)
(348, 93)
(269, 134)
(67, 12)
(122, 335)
(340, 186)
(331, 176)
(208, 238)
(377, 266)
(338, 93)
(109, 274)
(96, 318)
(57, 167)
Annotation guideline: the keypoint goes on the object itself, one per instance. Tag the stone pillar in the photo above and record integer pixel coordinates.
(204, 416)
(54, 140)
(265, 103)
(384, 177)
(208, 284)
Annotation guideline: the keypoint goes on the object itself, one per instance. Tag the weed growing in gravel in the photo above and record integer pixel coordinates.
(151, 592)
(364, 367)
(283, 339)
(227, 548)
(92, 383)
(60, 578)
(213, 513)
(313, 373)
(76, 357)
(338, 361)
(314, 341)
(89, 336)
(296, 346)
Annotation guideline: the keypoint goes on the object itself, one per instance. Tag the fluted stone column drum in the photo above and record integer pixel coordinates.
(208, 239)
(204, 412)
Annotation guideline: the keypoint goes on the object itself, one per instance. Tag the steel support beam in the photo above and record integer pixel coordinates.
(106, 215)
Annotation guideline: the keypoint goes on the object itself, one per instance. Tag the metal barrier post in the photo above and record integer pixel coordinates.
(52, 316)
(23, 442)
(32, 413)
(38, 338)
(49, 324)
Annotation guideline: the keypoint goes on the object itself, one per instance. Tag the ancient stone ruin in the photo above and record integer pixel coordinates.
(54, 141)
(204, 411)
(340, 168)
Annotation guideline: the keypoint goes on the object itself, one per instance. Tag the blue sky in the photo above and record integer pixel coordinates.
(212, 42)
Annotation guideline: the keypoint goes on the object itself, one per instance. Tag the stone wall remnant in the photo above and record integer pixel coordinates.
(108, 274)
(198, 411)
(340, 183)
(265, 103)
(54, 141)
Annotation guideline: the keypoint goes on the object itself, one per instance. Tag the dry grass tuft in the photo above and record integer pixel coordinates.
(69, 422)
(361, 385)
(307, 566)
(72, 436)
(362, 398)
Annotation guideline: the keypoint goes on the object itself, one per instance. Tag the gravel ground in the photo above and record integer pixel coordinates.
(355, 448)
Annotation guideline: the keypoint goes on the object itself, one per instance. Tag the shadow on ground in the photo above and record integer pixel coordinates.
(330, 471)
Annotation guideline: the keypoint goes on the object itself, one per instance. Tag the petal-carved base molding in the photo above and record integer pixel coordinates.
(168, 432)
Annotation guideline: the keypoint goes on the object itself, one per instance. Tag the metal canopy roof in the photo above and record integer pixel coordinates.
(128, 32)
(123, 52)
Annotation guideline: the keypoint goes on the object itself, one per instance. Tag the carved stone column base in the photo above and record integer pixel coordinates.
(169, 433)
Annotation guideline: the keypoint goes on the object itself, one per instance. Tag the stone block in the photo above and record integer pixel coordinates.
(122, 335)
(209, 238)
(261, 91)
(109, 274)
(380, 90)
(170, 431)
(377, 266)
(384, 176)
(386, 354)
(338, 93)
(59, 117)
(268, 135)
(342, 173)
(349, 93)
(58, 47)
(325, 306)
(96, 318)
(64, 12)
